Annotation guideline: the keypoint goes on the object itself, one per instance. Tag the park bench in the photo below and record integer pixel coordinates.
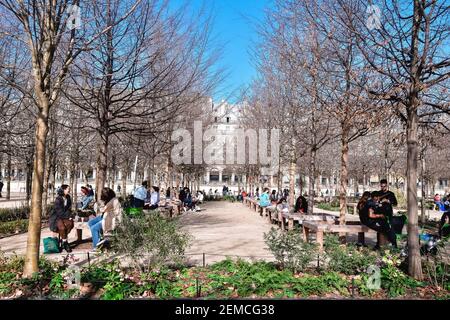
(300, 218)
(321, 228)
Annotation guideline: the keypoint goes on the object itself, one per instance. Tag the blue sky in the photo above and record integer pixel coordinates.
(234, 26)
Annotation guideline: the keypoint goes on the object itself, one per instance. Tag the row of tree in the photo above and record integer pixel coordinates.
(100, 82)
(333, 77)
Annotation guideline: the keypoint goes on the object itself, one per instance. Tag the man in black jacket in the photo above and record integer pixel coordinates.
(1, 187)
(387, 199)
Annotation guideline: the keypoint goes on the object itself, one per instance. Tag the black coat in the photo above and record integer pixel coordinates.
(60, 211)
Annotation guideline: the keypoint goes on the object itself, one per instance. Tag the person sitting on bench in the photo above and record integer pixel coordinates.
(152, 201)
(264, 199)
(60, 221)
(444, 225)
(86, 199)
(370, 214)
(140, 194)
(111, 215)
(301, 205)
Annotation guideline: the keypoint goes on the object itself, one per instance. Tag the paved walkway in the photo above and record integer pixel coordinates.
(221, 229)
(226, 229)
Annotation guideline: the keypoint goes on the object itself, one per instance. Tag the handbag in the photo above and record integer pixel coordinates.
(51, 245)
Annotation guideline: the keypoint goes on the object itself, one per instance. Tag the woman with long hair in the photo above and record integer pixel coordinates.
(111, 215)
(60, 221)
(367, 210)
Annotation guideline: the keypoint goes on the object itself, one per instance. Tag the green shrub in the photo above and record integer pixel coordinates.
(347, 258)
(12, 214)
(229, 198)
(327, 283)
(6, 279)
(289, 249)
(393, 279)
(20, 213)
(328, 206)
(150, 240)
(12, 227)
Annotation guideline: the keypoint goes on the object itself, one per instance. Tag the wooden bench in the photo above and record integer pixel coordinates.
(292, 217)
(321, 228)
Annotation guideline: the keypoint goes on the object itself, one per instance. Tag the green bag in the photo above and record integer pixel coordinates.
(134, 212)
(51, 245)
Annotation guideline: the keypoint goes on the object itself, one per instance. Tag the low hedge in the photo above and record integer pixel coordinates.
(12, 227)
(19, 213)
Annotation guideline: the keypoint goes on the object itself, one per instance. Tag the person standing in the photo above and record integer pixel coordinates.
(387, 199)
(1, 187)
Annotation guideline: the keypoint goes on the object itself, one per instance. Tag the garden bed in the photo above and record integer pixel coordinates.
(224, 280)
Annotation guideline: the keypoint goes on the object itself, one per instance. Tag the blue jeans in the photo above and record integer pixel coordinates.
(96, 227)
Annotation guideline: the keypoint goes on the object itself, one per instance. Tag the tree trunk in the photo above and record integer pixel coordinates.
(72, 184)
(422, 185)
(8, 172)
(102, 163)
(34, 225)
(29, 178)
(312, 180)
(343, 177)
(414, 260)
(292, 184)
(124, 182)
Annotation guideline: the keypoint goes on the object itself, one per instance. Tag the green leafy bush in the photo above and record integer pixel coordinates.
(328, 206)
(19, 213)
(150, 240)
(289, 249)
(347, 258)
(12, 227)
(393, 279)
(327, 283)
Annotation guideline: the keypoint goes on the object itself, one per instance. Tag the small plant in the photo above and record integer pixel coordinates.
(393, 279)
(290, 250)
(347, 258)
(437, 268)
(150, 241)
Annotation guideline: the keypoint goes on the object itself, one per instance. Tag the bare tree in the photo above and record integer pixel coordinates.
(43, 28)
(409, 52)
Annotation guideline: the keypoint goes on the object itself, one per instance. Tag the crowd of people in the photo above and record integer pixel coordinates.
(275, 198)
(375, 208)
